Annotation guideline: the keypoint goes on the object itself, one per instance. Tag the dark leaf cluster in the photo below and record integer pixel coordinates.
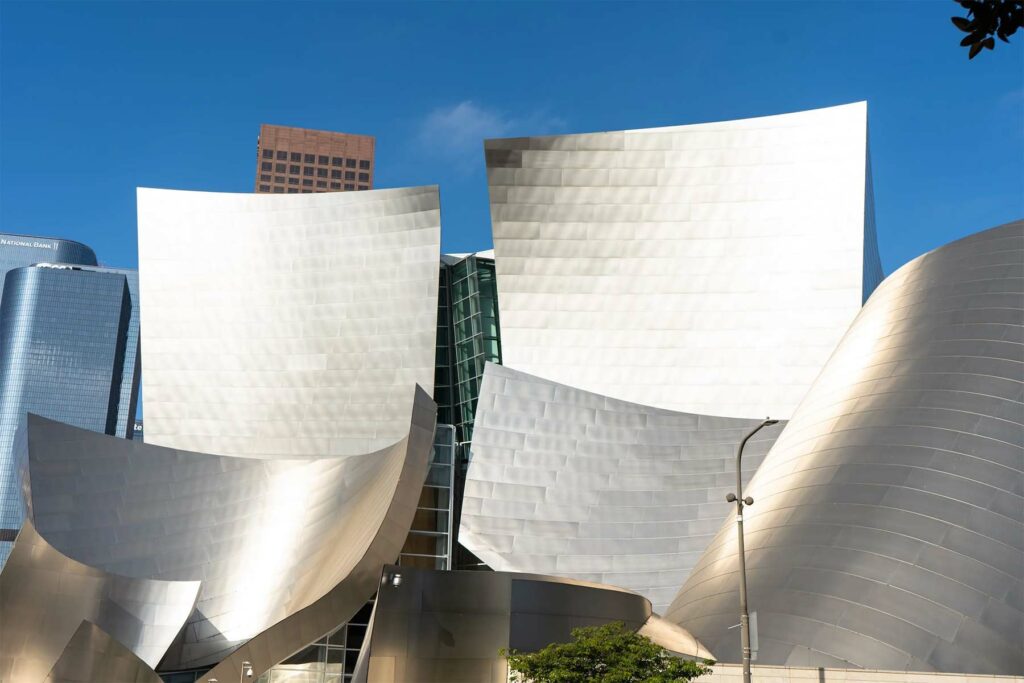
(988, 18)
(610, 653)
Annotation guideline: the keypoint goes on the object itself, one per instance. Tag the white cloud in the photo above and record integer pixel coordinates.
(457, 132)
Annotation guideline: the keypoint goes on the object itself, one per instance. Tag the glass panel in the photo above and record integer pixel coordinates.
(357, 632)
(310, 654)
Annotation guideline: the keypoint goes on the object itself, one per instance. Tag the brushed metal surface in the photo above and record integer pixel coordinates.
(286, 325)
(360, 564)
(707, 268)
(448, 626)
(570, 483)
(888, 528)
(270, 539)
(92, 656)
(45, 596)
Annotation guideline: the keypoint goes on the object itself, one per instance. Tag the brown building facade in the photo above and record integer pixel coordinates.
(299, 160)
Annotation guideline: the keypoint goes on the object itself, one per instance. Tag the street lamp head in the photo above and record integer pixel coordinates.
(748, 501)
(768, 422)
(730, 498)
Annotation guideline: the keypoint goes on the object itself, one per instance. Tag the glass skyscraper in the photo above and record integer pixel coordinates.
(17, 251)
(69, 337)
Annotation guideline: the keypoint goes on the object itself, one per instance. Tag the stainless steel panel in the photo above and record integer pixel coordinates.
(45, 597)
(286, 325)
(888, 528)
(92, 656)
(707, 268)
(447, 627)
(630, 499)
(284, 548)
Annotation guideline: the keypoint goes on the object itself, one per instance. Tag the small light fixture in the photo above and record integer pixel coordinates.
(396, 580)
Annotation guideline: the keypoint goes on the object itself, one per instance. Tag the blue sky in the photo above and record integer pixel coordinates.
(96, 99)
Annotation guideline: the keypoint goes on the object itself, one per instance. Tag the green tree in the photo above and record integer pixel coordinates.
(988, 18)
(602, 654)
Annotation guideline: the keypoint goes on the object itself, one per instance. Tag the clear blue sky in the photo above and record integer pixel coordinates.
(96, 99)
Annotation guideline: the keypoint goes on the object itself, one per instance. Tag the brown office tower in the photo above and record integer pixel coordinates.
(297, 160)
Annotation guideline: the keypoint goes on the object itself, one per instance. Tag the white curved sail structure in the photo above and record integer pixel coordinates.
(47, 597)
(267, 539)
(286, 325)
(707, 268)
(574, 484)
(888, 525)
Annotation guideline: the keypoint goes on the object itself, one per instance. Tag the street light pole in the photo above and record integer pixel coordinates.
(740, 502)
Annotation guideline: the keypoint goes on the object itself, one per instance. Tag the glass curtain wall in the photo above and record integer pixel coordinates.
(476, 336)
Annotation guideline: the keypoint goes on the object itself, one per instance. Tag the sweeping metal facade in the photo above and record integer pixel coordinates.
(294, 545)
(888, 524)
(45, 597)
(286, 325)
(707, 268)
(448, 627)
(570, 483)
(93, 656)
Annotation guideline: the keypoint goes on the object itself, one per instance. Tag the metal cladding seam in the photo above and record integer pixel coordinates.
(268, 539)
(888, 527)
(708, 268)
(286, 325)
(570, 483)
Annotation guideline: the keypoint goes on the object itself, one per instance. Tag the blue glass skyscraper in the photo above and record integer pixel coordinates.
(69, 342)
(17, 251)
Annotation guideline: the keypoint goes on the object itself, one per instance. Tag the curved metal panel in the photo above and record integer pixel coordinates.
(888, 527)
(448, 627)
(92, 656)
(45, 596)
(570, 483)
(709, 268)
(286, 325)
(362, 573)
(674, 638)
(267, 538)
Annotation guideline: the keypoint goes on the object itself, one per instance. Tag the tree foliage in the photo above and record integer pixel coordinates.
(988, 18)
(610, 653)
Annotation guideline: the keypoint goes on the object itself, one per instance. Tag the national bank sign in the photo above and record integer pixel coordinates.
(35, 244)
